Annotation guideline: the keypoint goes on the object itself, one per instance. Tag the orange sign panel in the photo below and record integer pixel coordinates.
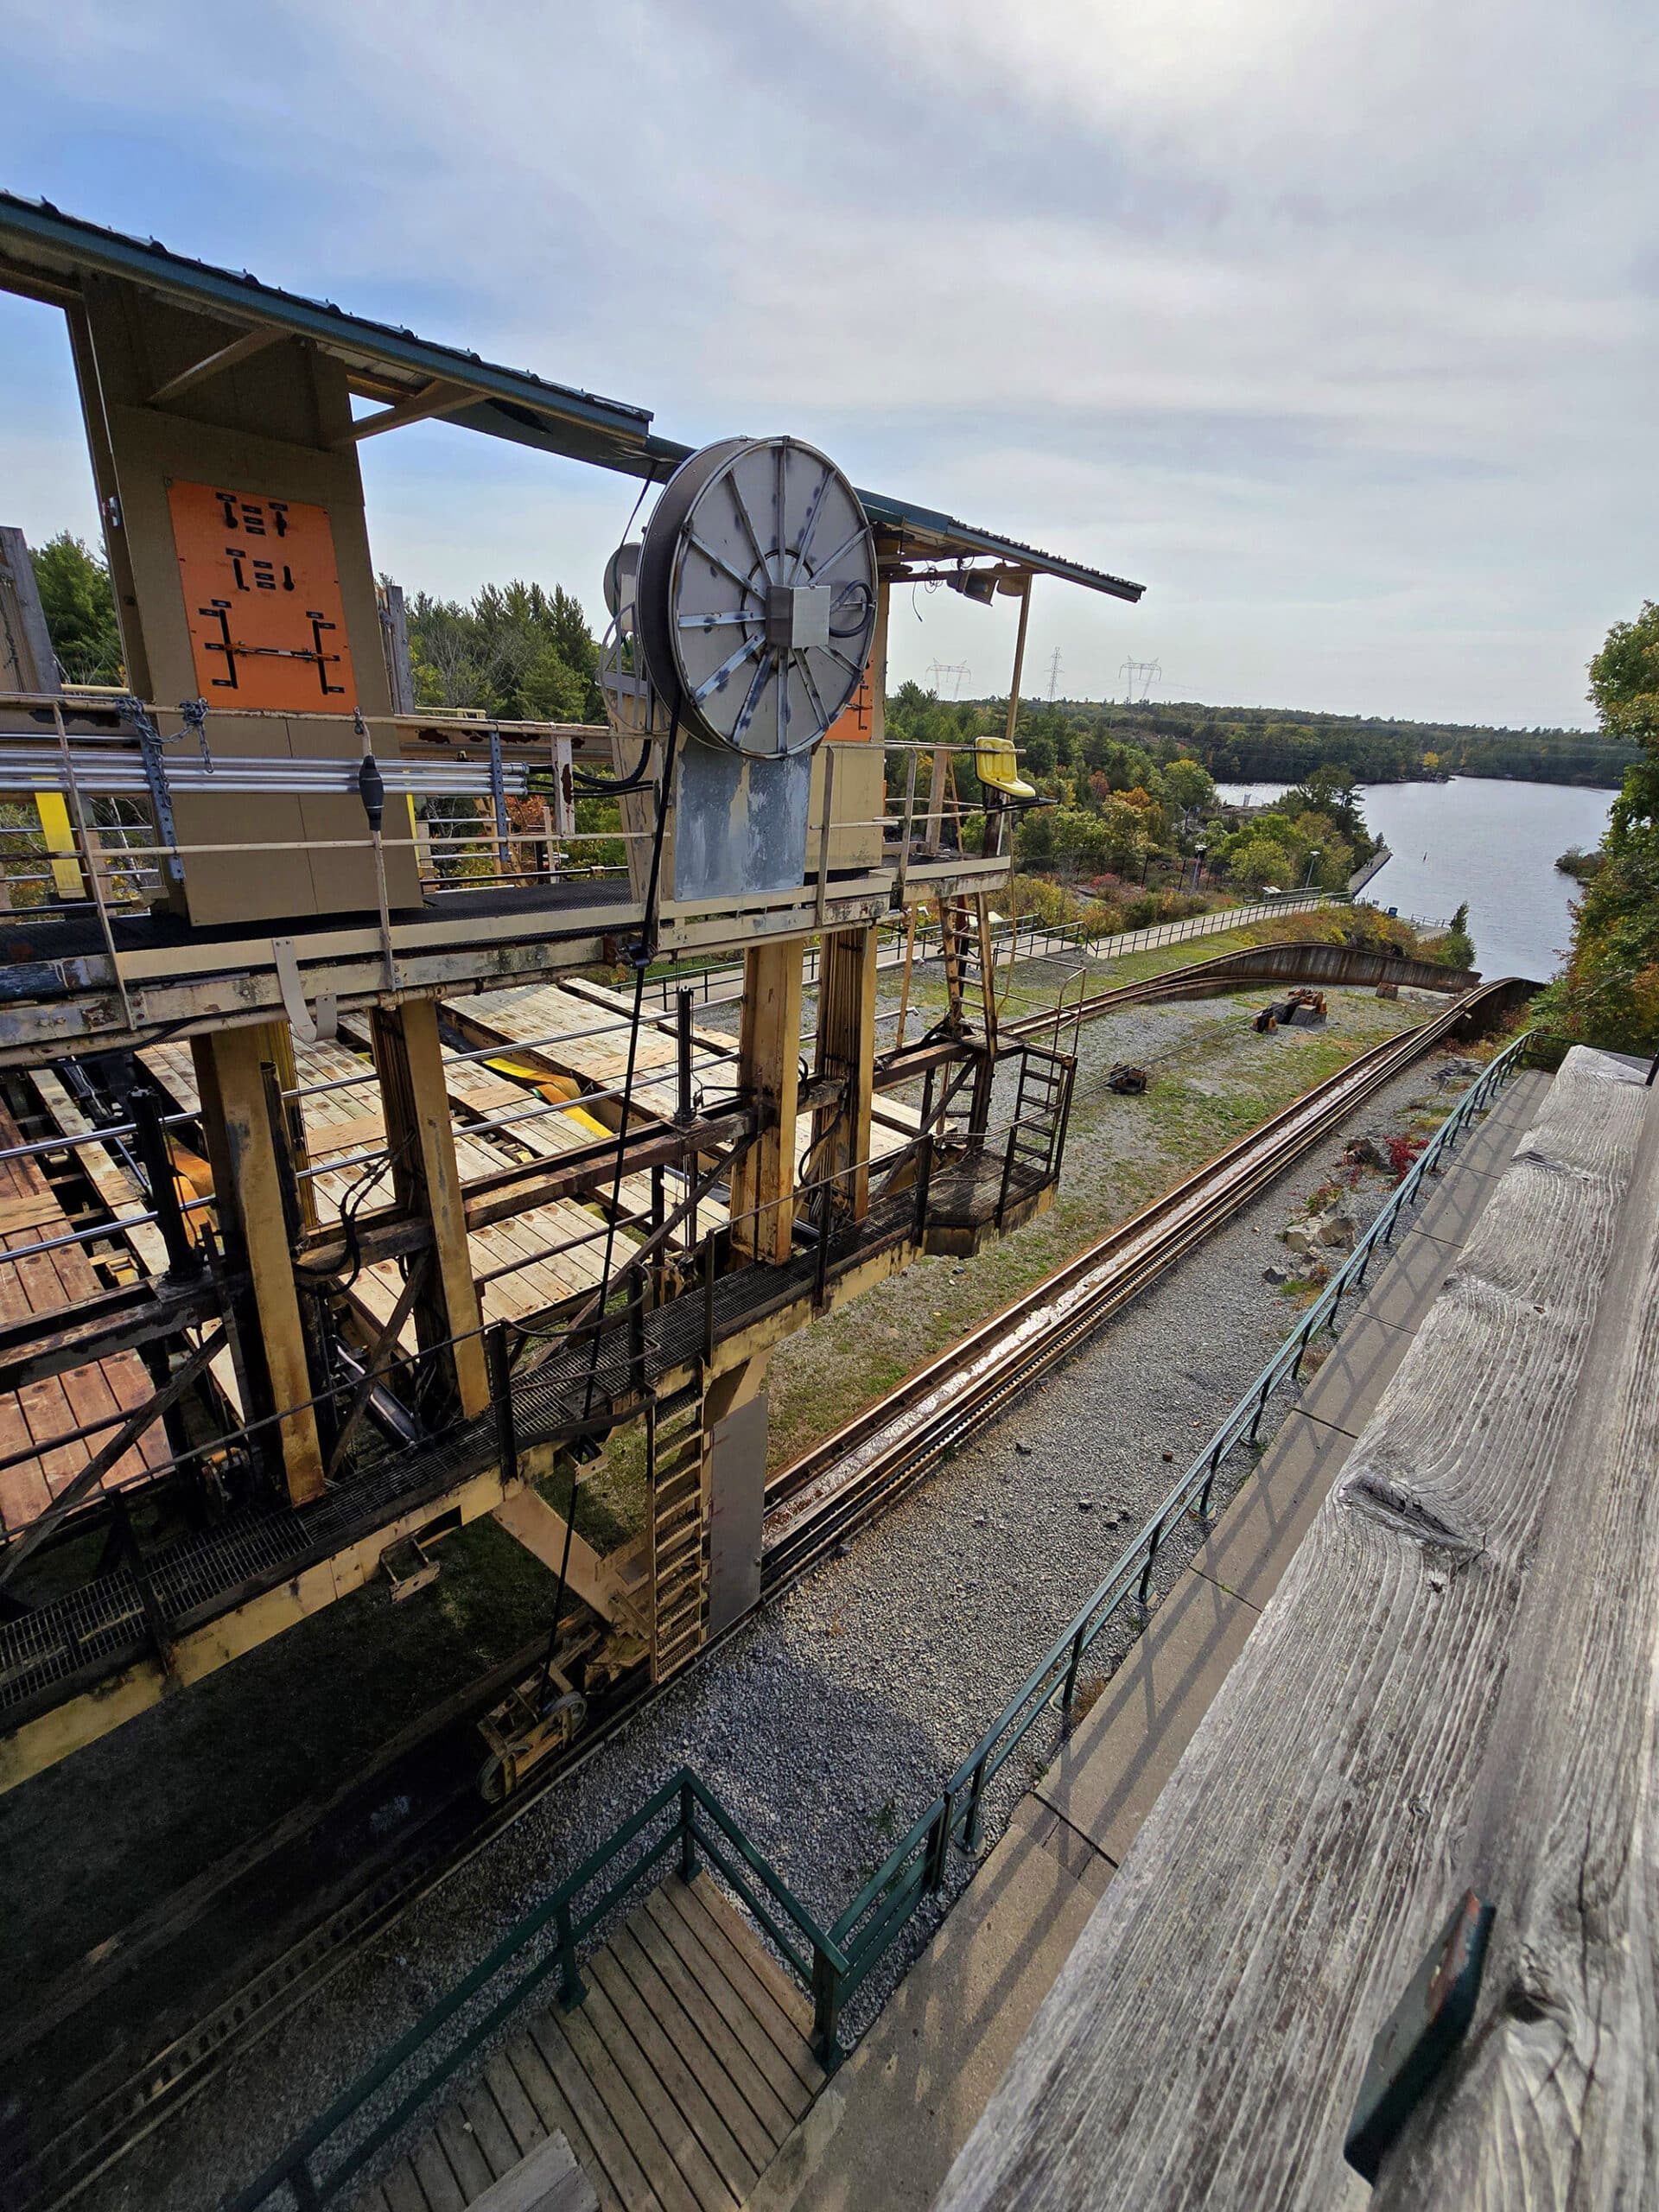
(852, 722)
(262, 597)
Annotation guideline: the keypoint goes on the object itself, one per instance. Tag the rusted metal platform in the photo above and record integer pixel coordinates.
(72, 1643)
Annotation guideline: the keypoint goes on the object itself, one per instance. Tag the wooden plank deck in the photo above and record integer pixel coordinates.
(127, 1202)
(527, 1015)
(675, 2084)
(547, 1010)
(479, 1093)
(1454, 1686)
(55, 1282)
(349, 1120)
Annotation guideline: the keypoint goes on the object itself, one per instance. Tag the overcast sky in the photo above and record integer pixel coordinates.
(1333, 324)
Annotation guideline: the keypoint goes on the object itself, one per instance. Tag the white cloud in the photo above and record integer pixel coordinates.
(1328, 322)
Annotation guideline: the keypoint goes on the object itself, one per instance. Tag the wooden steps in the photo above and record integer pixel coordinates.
(674, 2084)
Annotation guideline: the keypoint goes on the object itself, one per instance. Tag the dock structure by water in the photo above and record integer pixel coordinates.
(1450, 1696)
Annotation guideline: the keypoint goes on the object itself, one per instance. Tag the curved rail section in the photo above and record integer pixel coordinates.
(683, 1816)
(1303, 961)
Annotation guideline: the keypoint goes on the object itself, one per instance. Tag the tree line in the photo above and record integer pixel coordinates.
(1608, 994)
(1262, 744)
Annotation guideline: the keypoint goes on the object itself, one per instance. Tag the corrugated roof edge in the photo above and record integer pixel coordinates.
(37, 222)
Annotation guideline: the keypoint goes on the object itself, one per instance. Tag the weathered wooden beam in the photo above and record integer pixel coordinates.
(763, 1205)
(230, 1067)
(1552, 2095)
(846, 1056)
(587, 1170)
(438, 397)
(527, 1517)
(31, 1351)
(1206, 2042)
(389, 1234)
(409, 1059)
(212, 364)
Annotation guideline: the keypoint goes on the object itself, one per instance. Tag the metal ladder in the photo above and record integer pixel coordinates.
(1042, 1102)
(965, 943)
(676, 1462)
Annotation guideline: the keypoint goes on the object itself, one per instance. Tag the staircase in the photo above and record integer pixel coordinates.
(677, 1463)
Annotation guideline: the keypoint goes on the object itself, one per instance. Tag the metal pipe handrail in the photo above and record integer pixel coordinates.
(688, 1818)
(1057, 1671)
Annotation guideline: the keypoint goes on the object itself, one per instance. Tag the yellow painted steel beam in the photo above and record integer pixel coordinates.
(59, 833)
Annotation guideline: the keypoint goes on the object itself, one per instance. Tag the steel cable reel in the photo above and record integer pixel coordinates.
(755, 599)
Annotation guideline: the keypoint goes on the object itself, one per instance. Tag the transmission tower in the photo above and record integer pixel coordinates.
(958, 670)
(1054, 673)
(1139, 677)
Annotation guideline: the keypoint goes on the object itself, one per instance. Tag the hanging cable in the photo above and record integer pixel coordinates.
(613, 787)
(642, 961)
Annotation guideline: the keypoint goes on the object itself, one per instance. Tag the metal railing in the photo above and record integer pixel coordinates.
(917, 1864)
(1023, 938)
(683, 1818)
(844, 1956)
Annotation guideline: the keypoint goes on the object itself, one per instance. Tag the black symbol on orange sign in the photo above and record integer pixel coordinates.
(218, 610)
(253, 517)
(323, 657)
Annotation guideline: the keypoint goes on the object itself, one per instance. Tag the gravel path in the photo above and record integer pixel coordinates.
(828, 1722)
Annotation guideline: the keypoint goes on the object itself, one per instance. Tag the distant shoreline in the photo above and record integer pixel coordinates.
(1458, 776)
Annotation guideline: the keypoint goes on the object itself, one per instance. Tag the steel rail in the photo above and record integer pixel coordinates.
(1012, 1351)
(857, 1472)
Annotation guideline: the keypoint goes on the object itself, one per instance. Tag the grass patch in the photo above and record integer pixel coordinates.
(1216, 1085)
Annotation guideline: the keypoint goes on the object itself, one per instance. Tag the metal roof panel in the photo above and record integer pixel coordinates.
(513, 404)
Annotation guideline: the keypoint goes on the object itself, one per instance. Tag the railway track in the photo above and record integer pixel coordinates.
(812, 1506)
(853, 1475)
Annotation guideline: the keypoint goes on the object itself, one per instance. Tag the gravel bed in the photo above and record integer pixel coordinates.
(828, 1723)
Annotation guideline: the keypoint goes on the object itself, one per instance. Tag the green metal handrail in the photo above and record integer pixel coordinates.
(833, 1963)
(917, 1865)
(691, 1818)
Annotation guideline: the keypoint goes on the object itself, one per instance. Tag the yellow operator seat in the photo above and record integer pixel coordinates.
(997, 768)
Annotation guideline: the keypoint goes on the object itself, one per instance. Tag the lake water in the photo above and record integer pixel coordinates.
(1479, 838)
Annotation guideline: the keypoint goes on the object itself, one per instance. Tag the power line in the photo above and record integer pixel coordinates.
(1054, 673)
(957, 670)
(1143, 673)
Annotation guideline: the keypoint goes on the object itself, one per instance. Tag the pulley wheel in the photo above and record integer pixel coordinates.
(756, 595)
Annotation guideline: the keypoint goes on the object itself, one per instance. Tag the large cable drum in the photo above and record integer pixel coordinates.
(756, 595)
